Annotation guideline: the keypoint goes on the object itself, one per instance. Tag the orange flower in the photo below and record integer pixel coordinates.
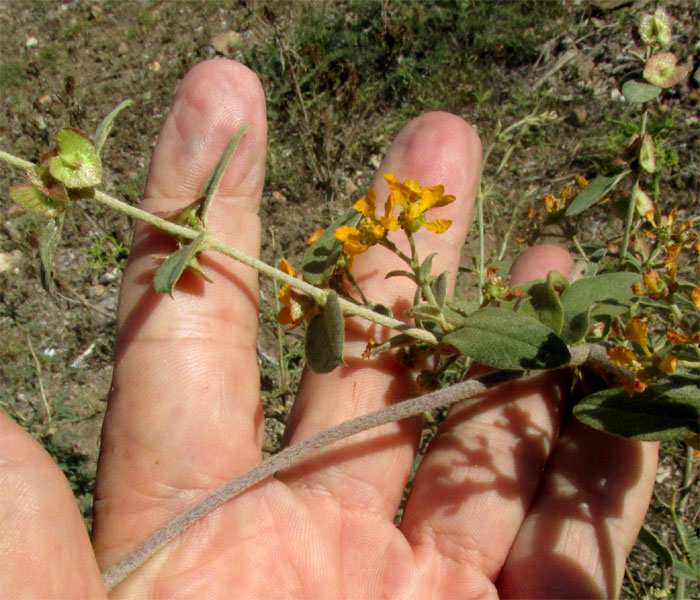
(556, 204)
(676, 337)
(295, 306)
(646, 368)
(315, 236)
(637, 331)
(653, 286)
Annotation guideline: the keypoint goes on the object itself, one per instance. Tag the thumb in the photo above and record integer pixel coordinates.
(44, 545)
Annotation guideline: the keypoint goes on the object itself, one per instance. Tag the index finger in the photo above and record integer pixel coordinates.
(184, 413)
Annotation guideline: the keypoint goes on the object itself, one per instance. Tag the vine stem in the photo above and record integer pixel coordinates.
(467, 390)
(209, 242)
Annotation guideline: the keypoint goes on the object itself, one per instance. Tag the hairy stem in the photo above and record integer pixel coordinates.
(467, 390)
(319, 295)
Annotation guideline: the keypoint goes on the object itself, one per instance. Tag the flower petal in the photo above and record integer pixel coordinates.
(438, 225)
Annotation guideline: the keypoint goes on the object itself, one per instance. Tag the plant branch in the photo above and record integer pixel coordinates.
(467, 390)
(319, 295)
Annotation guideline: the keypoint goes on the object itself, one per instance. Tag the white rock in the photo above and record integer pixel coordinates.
(9, 262)
(226, 41)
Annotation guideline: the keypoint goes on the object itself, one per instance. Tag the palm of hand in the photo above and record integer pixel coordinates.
(501, 494)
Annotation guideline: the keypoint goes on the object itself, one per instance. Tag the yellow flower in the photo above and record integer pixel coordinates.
(354, 242)
(315, 237)
(367, 204)
(370, 229)
(415, 202)
(295, 306)
(668, 363)
(637, 331)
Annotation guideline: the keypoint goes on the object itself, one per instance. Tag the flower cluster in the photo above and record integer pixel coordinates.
(648, 366)
(414, 201)
(554, 207)
(672, 238)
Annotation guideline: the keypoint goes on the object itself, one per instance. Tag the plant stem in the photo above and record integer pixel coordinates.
(15, 161)
(319, 295)
(467, 390)
(628, 222)
(289, 456)
(631, 207)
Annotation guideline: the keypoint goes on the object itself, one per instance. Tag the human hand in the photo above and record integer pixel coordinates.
(509, 501)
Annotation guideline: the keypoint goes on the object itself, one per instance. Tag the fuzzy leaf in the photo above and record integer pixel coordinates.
(665, 411)
(594, 192)
(611, 293)
(105, 127)
(77, 163)
(500, 338)
(382, 310)
(48, 244)
(169, 273)
(321, 258)
(439, 288)
(325, 337)
(427, 266)
(30, 197)
(661, 69)
(400, 273)
(211, 186)
(647, 155)
(542, 302)
(636, 92)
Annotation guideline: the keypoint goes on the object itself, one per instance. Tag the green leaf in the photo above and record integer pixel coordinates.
(169, 273)
(685, 571)
(594, 192)
(77, 163)
(611, 293)
(464, 307)
(669, 410)
(439, 288)
(105, 127)
(426, 267)
(211, 186)
(503, 339)
(325, 337)
(651, 541)
(647, 154)
(48, 244)
(636, 92)
(382, 310)
(30, 197)
(321, 258)
(542, 302)
(423, 311)
(400, 273)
